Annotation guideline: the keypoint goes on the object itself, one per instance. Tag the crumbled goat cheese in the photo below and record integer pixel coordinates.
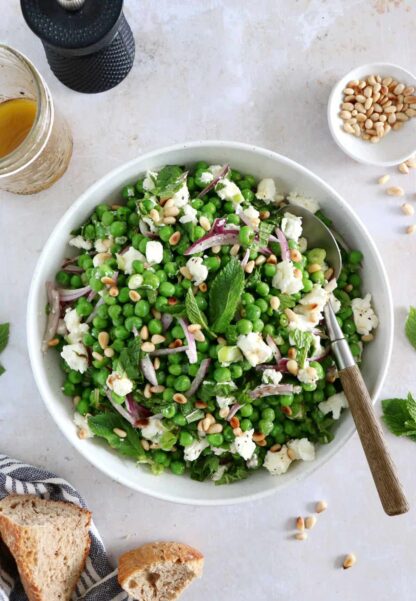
(218, 451)
(198, 271)
(308, 313)
(153, 430)
(271, 376)
(307, 375)
(335, 303)
(334, 404)
(364, 317)
(150, 224)
(120, 384)
(266, 190)
(125, 261)
(244, 445)
(285, 279)
(181, 197)
(149, 181)
(80, 242)
(193, 451)
(252, 216)
(306, 202)
(302, 449)
(189, 215)
(228, 190)
(215, 169)
(277, 463)
(206, 177)
(75, 328)
(81, 422)
(254, 348)
(102, 245)
(154, 251)
(292, 226)
(253, 462)
(100, 258)
(225, 401)
(76, 356)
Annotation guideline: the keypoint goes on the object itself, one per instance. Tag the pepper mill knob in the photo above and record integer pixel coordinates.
(88, 43)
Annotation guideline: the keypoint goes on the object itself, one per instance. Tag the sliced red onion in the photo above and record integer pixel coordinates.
(160, 352)
(145, 231)
(136, 410)
(284, 247)
(66, 296)
(191, 352)
(275, 349)
(245, 259)
(148, 370)
(91, 295)
(273, 239)
(53, 317)
(281, 366)
(121, 410)
(70, 268)
(265, 251)
(240, 212)
(69, 261)
(233, 410)
(227, 237)
(199, 377)
(214, 181)
(271, 389)
(95, 310)
(167, 319)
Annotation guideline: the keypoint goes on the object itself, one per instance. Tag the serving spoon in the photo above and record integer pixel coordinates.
(383, 470)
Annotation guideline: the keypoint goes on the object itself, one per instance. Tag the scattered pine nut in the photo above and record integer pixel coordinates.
(109, 352)
(411, 163)
(403, 168)
(310, 522)
(300, 523)
(157, 339)
(301, 536)
(180, 398)
(367, 337)
(120, 433)
(292, 367)
(53, 342)
(395, 191)
(275, 302)
(174, 239)
(103, 339)
(321, 506)
(349, 561)
(148, 347)
(134, 296)
(407, 208)
(411, 229)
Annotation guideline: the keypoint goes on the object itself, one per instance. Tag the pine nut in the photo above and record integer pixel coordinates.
(144, 333)
(206, 424)
(103, 339)
(97, 356)
(290, 452)
(113, 291)
(204, 223)
(272, 260)
(348, 128)
(349, 561)
(169, 220)
(329, 273)
(174, 239)
(297, 273)
(275, 302)
(53, 342)
(234, 250)
(156, 363)
(300, 523)
(216, 249)
(157, 339)
(120, 433)
(321, 506)
(260, 260)
(301, 536)
(403, 168)
(314, 267)
(156, 314)
(249, 267)
(234, 422)
(215, 429)
(258, 437)
(171, 212)
(147, 392)
(383, 179)
(154, 215)
(345, 115)
(397, 126)
(411, 229)
(109, 352)
(148, 347)
(310, 522)
(347, 91)
(199, 336)
(295, 255)
(292, 367)
(82, 433)
(185, 272)
(237, 432)
(145, 444)
(180, 398)
(157, 389)
(223, 412)
(275, 448)
(193, 327)
(367, 338)
(395, 191)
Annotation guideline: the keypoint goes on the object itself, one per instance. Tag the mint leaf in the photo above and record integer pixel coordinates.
(103, 425)
(169, 180)
(193, 312)
(178, 309)
(234, 473)
(265, 229)
(4, 335)
(286, 302)
(399, 415)
(410, 326)
(225, 294)
(2, 370)
(130, 358)
(411, 406)
(204, 467)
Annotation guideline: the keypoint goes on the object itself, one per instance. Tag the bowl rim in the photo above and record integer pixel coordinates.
(371, 67)
(36, 357)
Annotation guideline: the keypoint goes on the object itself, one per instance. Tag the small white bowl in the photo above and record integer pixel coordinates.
(397, 146)
(290, 176)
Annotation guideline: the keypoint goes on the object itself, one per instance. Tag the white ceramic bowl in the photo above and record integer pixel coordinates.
(397, 146)
(261, 163)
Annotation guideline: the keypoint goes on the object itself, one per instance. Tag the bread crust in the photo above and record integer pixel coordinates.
(149, 555)
(16, 538)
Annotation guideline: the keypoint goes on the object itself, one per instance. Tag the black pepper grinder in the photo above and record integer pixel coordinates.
(88, 43)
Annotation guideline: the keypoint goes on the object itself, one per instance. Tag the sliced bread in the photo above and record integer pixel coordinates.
(159, 571)
(49, 541)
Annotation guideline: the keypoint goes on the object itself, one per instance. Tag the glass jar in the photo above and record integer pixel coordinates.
(43, 155)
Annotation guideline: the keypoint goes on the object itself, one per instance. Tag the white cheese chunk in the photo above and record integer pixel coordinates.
(120, 384)
(218, 474)
(76, 356)
(80, 242)
(228, 190)
(193, 451)
(149, 181)
(244, 445)
(285, 279)
(102, 245)
(291, 226)
(252, 217)
(307, 374)
(271, 376)
(266, 190)
(334, 404)
(225, 401)
(75, 328)
(254, 348)
(181, 197)
(197, 269)
(154, 251)
(81, 422)
(125, 261)
(364, 317)
(153, 430)
(277, 463)
(189, 215)
(306, 202)
(302, 449)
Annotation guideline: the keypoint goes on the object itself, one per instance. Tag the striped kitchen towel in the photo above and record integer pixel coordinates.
(98, 581)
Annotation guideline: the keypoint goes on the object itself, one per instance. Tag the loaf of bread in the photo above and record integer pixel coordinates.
(159, 571)
(49, 541)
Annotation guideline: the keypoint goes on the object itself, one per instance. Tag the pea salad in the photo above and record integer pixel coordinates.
(189, 325)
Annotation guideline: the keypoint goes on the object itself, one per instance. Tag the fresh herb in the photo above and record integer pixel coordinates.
(208, 390)
(169, 180)
(410, 326)
(235, 472)
(399, 415)
(167, 441)
(194, 416)
(286, 302)
(4, 339)
(225, 294)
(179, 310)
(130, 358)
(103, 425)
(303, 342)
(265, 230)
(204, 467)
(193, 312)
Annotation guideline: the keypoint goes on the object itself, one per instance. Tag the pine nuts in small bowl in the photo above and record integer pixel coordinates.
(386, 143)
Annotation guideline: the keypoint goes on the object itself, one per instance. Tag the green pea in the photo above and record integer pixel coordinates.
(246, 410)
(182, 383)
(155, 326)
(175, 370)
(246, 235)
(63, 278)
(216, 440)
(355, 257)
(246, 424)
(201, 302)
(309, 387)
(236, 371)
(95, 284)
(99, 323)
(142, 308)
(349, 327)
(118, 228)
(185, 438)
(133, 322)
(269, 329)
(128, 309)
(83, 406)
(118, 345)
(84, 307)
(262, 289)
(269, 270)
(68, 388)
(244, 326)
(150, 280)
(222, 374)
(253, 312)
(316, 255)
(258, 325)
(263, 304)
(212, 263)
(75, 281)
(178, 467)
(355, 350)
(167, 289)
(307, 285)
(75, 377)
(286, 399)
(268, 414)
(265, 426)
(318, 396)
(248, 194)
(121, 332)
(318, 277)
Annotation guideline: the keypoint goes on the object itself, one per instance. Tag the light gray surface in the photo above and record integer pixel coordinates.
(261, 73)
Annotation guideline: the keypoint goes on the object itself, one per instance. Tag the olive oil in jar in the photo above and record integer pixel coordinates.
(16, 119)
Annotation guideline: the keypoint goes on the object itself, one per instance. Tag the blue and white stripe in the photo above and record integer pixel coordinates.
(98, 581)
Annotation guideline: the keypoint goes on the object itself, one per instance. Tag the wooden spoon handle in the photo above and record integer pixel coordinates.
(382, 467)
